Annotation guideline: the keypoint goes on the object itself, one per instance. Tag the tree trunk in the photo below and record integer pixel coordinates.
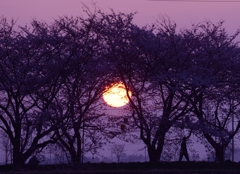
(220, 153)
(75, 156)
(76, 159)
(152, 153)
(18, 159)
(160, 145)
(155, 153)
(155, 149)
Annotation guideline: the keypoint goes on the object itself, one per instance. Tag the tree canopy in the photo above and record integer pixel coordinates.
(52, 77)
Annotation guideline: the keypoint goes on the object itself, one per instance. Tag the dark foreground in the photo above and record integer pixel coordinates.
(128, 168)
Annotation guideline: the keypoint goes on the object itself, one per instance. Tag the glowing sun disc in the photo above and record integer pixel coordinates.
(116, 95)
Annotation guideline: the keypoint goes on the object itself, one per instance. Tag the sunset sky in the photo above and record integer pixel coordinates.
(183, 12)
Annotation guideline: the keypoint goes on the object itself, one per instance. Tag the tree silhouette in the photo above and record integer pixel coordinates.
(118, 150)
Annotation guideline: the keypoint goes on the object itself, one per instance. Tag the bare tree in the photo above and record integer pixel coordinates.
(118, 150)
(31, 75)
(144, 62)
(213, 82)
(53, 76)
(80, 109)
(169, 74)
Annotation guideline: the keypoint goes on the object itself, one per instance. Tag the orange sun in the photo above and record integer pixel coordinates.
(116, 95)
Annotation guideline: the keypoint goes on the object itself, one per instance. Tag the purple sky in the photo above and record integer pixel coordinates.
(184, 13)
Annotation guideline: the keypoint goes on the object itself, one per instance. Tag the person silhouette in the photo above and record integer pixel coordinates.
(183, 150)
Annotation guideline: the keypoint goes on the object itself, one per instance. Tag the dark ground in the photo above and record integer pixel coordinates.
(128, 168)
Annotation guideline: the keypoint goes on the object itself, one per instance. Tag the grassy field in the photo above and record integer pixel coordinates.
(127, 168)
